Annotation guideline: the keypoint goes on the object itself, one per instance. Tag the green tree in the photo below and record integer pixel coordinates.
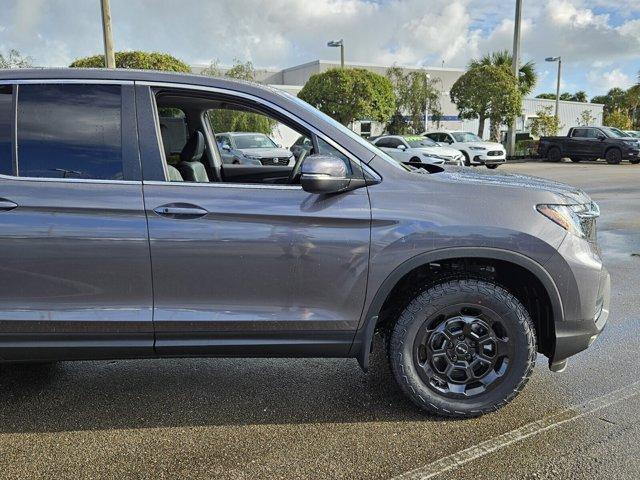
(619, 119)
(350, 94)
(488, 91)
(229, 120)
(580, 96)
(14, 59)
(633, 104)
(585, 119)
(414, 92)
(545, 124)
(527, 77)
(136, 60)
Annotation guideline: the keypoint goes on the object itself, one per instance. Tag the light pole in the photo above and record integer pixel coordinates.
(559, 60)
(109, 56)
(515, 66)
(338, 43)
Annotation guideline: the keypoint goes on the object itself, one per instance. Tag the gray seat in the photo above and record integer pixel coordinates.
(174, 174)
(190, 166)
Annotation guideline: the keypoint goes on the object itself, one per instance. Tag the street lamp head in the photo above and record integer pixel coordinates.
(552, 59)
(334, 43)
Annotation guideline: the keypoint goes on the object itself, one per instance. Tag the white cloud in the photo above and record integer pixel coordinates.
(605, 80)
(281, 33)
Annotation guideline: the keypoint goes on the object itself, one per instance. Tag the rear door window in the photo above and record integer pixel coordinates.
(70, 131)
(6, 130)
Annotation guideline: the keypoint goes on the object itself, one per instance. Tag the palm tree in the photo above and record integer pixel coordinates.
(527, 76)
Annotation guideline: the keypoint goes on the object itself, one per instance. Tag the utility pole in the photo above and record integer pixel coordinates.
(559, 60)
(109, 56)
(515, 66)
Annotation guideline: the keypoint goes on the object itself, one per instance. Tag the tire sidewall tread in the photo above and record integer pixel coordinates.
(433, 299)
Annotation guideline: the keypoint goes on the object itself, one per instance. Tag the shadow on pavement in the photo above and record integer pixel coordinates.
(195, 392)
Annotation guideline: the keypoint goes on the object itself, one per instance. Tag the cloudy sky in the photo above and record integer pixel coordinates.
(599, 40)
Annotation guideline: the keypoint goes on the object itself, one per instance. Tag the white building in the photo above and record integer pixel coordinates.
(292, 80)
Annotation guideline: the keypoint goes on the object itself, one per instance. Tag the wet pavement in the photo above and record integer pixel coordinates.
(282, 418)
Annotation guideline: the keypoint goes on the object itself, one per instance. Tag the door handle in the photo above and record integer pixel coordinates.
(180, 210)
(6, 205)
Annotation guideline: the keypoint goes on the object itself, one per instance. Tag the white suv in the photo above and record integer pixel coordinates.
(475, 150)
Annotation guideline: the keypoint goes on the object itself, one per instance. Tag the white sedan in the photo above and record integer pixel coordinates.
(417, 149)
(475, 150)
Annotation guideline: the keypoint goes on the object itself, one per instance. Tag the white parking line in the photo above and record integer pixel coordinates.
(462, 457)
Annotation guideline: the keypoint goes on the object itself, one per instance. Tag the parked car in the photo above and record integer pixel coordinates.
(109, 252)
(591, 143)
(247, 148)
(417, 149)
(475, 150)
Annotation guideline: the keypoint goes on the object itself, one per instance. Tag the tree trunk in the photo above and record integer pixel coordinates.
(481, 121)
(494, 130)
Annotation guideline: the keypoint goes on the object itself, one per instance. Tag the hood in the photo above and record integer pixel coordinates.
(487, 145)
(441, 151)
(266, 152)
(462, 175)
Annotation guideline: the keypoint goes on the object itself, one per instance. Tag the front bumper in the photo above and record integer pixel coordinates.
(584, 285)
(575, 336)
(631, 154)
(489, 159)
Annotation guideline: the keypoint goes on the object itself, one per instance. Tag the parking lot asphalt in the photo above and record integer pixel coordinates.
(311, 418)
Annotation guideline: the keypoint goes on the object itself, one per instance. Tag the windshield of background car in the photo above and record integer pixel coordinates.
(418, 142)
(350, 133)
(466, 137)
(612, 132)
(253, 141)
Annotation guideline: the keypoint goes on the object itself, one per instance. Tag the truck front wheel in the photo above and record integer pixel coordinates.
(463, 348)
(613, 156)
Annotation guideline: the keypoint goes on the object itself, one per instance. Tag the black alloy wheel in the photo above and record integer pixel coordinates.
(613, 156)
(463, 351)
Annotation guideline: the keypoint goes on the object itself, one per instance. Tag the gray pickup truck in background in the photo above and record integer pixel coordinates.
(591, 143)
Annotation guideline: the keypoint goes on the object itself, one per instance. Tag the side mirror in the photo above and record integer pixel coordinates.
(326, 174)
(601, 137)
(401, 147)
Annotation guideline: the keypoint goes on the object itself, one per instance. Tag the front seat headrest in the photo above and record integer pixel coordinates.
(194, 148)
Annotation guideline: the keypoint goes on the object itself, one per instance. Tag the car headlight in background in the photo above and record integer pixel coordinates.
(577, 219)
(477, 148)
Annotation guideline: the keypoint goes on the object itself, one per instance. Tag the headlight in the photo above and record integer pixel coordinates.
(477, 148)
(577, 219)
(431, 155)
(251, 157)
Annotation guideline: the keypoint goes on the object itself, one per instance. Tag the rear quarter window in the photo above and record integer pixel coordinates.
(70, 131)
(6, 130)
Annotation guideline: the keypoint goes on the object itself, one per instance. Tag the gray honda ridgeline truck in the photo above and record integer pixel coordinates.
(111, 248)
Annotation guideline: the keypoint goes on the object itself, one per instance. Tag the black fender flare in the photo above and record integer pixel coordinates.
(363, 340)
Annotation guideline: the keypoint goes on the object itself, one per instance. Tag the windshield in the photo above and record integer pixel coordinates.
(466, 137)
(369, 146)
(417, 142)
(255, 140)
(614, 132)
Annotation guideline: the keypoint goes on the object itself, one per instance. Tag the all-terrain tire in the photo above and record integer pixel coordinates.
(554, 155)
(613, 156)
(429, 303)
